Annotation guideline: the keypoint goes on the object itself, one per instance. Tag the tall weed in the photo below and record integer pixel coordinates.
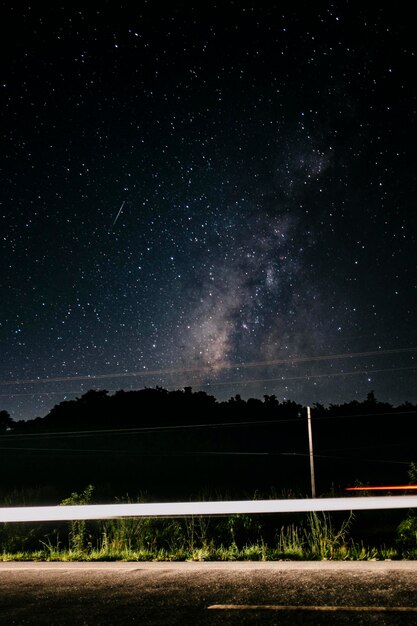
(323, 541)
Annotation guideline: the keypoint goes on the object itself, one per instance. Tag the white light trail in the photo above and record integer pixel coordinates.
(181, 509)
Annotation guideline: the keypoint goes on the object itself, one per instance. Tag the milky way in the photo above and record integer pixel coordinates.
(192, 193)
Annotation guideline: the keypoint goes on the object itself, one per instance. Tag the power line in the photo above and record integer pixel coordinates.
(143, 429)
(173, 454)
(210, 369)
(282, 379)
(151, 429)
(360, 460)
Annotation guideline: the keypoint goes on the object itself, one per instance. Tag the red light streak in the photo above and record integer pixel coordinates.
(386, 488)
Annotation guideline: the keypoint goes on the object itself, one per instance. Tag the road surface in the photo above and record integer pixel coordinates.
(282, 593)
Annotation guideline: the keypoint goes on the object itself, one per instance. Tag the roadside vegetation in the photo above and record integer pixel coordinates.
(313, 536)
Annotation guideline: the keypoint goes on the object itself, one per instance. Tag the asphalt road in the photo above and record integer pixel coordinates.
(383, 593)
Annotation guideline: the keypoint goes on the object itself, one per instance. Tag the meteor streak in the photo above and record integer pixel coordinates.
(120, 210)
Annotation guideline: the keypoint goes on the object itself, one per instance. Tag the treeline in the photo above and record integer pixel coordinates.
(96, 409)
(174, 443)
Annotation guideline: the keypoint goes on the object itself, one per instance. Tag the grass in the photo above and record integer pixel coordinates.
(247, 553)
(315, 536)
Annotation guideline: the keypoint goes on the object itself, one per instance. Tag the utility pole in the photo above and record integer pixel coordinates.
(310, 446)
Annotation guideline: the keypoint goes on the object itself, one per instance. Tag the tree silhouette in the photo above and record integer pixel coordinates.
(6, 421)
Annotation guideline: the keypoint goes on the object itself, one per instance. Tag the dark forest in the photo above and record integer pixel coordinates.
(181, 443)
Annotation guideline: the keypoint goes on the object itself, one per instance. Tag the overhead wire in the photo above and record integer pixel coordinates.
(150, 429)
(210, 369)
(173, 454)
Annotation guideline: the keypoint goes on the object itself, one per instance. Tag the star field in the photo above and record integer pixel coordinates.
(190, 193)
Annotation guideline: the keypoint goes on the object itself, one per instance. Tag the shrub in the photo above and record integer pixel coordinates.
(407, 536)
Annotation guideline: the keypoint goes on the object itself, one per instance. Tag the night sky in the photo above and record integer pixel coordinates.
(215, 194)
